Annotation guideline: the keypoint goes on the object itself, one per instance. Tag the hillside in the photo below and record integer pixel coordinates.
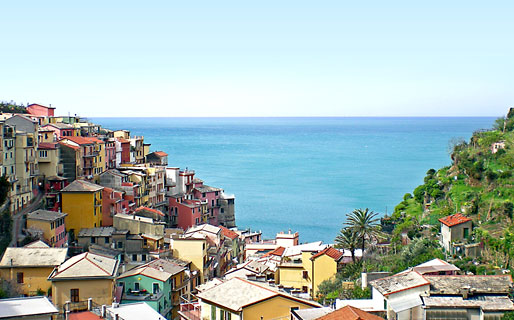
(479, 183)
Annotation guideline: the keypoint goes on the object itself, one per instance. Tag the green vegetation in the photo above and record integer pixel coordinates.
(5, 218)
(12, 107)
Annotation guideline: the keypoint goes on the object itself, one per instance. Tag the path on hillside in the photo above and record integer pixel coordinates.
(17, 219)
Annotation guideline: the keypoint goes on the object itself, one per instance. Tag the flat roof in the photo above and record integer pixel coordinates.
(26, 306)
(45, 215)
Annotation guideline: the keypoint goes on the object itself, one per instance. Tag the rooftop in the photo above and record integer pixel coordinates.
(435, 265)
(135, 311)
(206, 188)
(492, 284)
(229, 233)
(454, 219)
(329, 251)
(45, 215)
(143, 209)
(159, 269)
(26, 307)
(82, 186)
(244, 293)
(78, 140)
(399, 282)
(485, 302)
(345, 313)
(33, 257)
(47, 146)
(160, 153)
(86, 265)
(96, 232)
(203, 228)
(37, 244)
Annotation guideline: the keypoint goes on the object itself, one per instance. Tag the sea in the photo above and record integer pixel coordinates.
(305, 174)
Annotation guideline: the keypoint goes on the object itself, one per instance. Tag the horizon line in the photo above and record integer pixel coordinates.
(284, 117)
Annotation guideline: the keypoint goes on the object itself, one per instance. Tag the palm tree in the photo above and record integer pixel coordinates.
(364, 222)
(347, 238)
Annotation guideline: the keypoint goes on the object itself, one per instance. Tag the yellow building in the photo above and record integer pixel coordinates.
(84, 276)
(82, 201)
(48, 157)
(51, 224)
(30, 267)
(238, 299)
(192, 249)
(305, 274)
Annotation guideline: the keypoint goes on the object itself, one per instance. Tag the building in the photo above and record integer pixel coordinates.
(454, 228)
(193, 249)
(52, 225)
(49, 159)
(242, 299)
(497, 146)
(160, 283)
(159, 158)
(132, 311)
(138, 225)
(82, 201)
(345, 313)
(113, 202)
(30, 267)
(84, 276)
(27, 308)
(40, 110)
(61, 130)
(92, 155)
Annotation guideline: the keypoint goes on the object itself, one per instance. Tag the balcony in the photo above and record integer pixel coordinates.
(91, 154)
(142, 295)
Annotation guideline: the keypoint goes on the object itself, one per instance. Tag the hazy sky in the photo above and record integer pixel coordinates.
(259, 58)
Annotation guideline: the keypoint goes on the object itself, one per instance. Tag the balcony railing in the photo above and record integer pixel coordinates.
(142, 295)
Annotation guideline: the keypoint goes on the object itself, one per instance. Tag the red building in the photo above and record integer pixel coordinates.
(184, 213)
(39, 110)
(125, 150)
(210, 195)
(112, 203)
(110, 154)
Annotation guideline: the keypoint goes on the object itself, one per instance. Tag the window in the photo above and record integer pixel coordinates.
(120, 244)
(305, 274)
(305, 289)
(93, 240)
(466, 232)
(155, 287)
(19, 277)
(74, 294)
(106, 239)
(143, 257)
(136, 286)
(134, 257)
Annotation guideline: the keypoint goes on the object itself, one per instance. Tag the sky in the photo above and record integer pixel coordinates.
(259, 58)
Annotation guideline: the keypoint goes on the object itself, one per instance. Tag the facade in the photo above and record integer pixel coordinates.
(84, 276)
(40, 110)
(159, 158)
(30, 267)
(454, 228)
(49, 159)
(52, 225)
(160, 283)
(82, 201)
(61, 130)
(192, 249)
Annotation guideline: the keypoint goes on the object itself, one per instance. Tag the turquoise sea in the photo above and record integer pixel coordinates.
(305, 174)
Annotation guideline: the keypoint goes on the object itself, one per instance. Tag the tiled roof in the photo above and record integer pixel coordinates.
(36, 244)
(79, 140)
(159, 269)
(399, 282)
(86, 265)
(96, 232)
(329, 251)
(149, 210)
(161, 153)
(349, 313)
(229, 233)
(244, 293)
(206, 188)
(33, 257)
(276, 252)
(477, 284)
(82, 186)
(454, 220)
(45, 215)
(47, 146)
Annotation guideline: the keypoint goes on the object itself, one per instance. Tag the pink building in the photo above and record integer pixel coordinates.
(51, 225)
(211, 196)
(113, 202)
(39, 110)
(110, 154)
(60, 130)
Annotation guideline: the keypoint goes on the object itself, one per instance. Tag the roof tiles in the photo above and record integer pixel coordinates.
(454, 220)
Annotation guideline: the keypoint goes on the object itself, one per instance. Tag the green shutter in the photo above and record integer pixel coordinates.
(213, 312)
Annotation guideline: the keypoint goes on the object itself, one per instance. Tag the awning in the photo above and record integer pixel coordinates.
(405, 303)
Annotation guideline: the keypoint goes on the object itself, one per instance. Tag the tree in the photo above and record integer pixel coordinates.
(347, 238)
(4, 188)
(365, 223)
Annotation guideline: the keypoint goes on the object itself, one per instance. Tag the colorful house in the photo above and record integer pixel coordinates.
(84, 276)
(159, 158)
(52, 225)
(62, 130)
(242, 299)
(193, 249)
(30, 267)
(160, 283)
(82, 201)
(40, 110)
(454, 228)
(49, 159)
(113, 202)
(211, 196)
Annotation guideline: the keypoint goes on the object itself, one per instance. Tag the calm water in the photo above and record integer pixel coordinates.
(305, 174)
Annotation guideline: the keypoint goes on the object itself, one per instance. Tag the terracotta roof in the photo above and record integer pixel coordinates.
(329, 251)
(276, 252)
(149, 210)
(68, 145)
(47, 145)
(79, 140)
(454, 220)
(229, 233)
(350, 313)
(161, 153)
